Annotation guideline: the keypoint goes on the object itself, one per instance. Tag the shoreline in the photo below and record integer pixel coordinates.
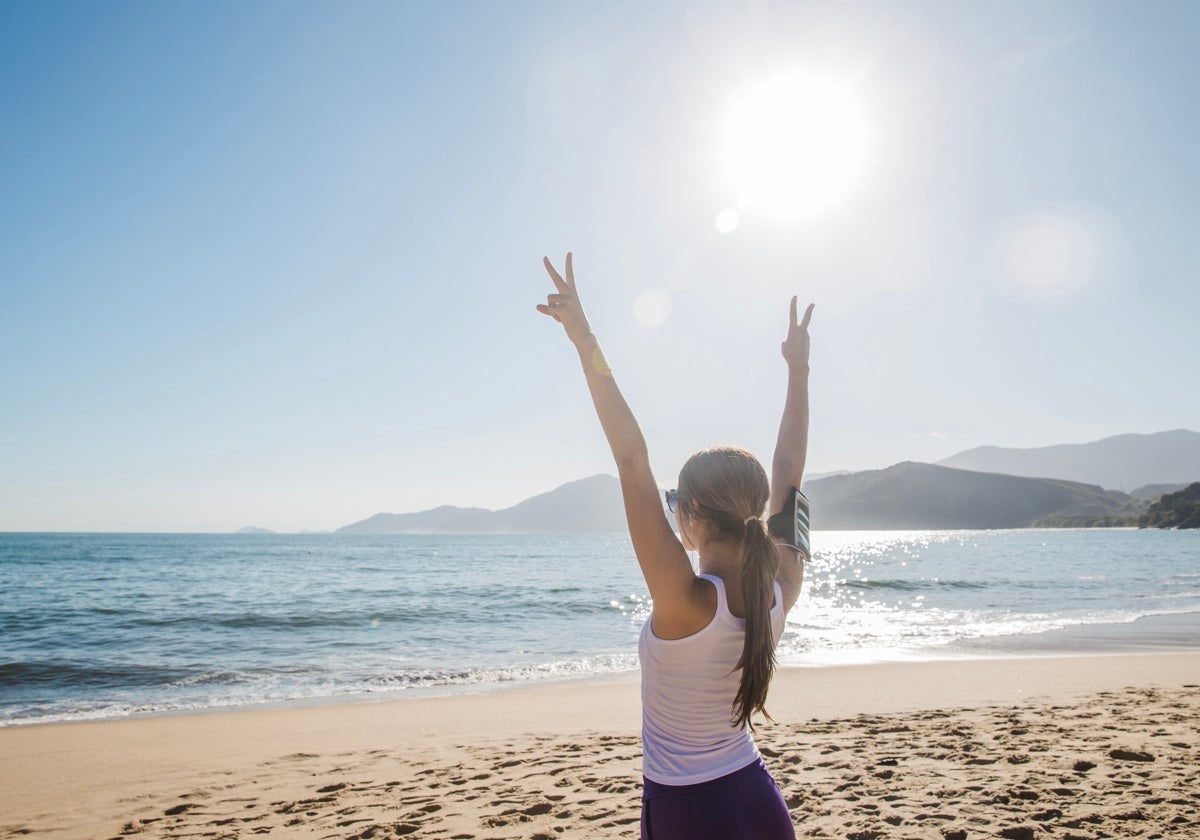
(145, 776)
(1154, 633)
(1146, 634)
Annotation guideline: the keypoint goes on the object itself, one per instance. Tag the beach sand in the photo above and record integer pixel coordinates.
(1062, 747)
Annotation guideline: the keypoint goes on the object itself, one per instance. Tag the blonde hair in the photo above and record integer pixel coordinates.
(727, 488)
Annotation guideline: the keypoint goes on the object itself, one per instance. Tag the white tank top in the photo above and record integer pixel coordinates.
(688, 686)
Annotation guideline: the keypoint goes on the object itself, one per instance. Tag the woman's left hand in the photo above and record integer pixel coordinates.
(564, 306)
(796, 346)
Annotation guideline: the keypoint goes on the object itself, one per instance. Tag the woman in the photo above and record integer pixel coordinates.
(708, 649)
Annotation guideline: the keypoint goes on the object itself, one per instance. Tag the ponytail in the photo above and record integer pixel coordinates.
(760, 562)
(727, 488)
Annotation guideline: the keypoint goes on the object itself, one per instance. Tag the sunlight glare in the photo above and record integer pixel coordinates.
(795, 145)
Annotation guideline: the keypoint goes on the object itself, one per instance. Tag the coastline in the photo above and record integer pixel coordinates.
(493, 763)
(1159, 632)
(186, 625)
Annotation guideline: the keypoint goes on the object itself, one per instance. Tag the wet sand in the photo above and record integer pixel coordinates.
(1065, 747)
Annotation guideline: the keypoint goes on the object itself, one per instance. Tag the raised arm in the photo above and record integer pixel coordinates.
(664, 563)
(791, 448)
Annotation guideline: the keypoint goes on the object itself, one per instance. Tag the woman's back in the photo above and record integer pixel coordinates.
(688, 690)
(705, 679)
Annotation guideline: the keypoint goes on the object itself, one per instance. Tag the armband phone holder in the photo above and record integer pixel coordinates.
(791, 523)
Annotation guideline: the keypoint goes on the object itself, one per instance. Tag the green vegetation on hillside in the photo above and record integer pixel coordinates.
(1115, 521)
(1175, 510)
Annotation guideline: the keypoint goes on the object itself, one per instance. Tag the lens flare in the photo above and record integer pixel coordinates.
(1054, 253)
(727, 220)
(652, 307)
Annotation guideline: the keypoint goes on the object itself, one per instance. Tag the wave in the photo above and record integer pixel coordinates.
(295, 620)
(912, 585)
(74, 675)
(482, 608)
(559, 669)
(84, 675)
(240, 689)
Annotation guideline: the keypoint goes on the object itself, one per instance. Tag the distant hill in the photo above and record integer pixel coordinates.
(905, 496)
(1123, 462)
(1152, 492)
(818, 476)
(587, 505)
(914, 495)
(987, 487)
(252, 529)
(425, 521)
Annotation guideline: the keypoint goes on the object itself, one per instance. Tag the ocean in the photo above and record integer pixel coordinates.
(110, 625)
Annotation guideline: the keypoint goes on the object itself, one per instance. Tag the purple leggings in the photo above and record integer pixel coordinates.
(745, 805)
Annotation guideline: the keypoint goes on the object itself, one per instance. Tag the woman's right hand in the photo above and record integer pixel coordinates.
(795, 347)
(564, 306)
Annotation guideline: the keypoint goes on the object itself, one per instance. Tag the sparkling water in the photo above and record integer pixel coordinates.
(106, 625)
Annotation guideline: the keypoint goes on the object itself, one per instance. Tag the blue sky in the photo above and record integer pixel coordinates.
(276, 263)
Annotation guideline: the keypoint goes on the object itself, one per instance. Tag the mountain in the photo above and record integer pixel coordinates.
(422, 522)
(988, 487)
(818, 476)
(1122, 462)
(1153, 492)
(913, 495)
(587, 505)
(252, 529)
(904, 496)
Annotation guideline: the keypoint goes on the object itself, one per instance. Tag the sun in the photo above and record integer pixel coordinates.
(795, 145)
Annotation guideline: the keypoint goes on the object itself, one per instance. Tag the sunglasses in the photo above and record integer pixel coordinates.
(673, 498)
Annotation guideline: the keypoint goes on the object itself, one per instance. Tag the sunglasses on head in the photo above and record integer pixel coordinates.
(673, 498)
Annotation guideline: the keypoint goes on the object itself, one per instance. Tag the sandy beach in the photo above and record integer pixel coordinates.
(1067, 747)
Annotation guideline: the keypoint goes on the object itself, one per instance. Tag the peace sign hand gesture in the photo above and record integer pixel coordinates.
(564, 305)
(795, 347)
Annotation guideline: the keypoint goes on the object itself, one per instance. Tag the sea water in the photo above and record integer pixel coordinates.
(109, 625)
